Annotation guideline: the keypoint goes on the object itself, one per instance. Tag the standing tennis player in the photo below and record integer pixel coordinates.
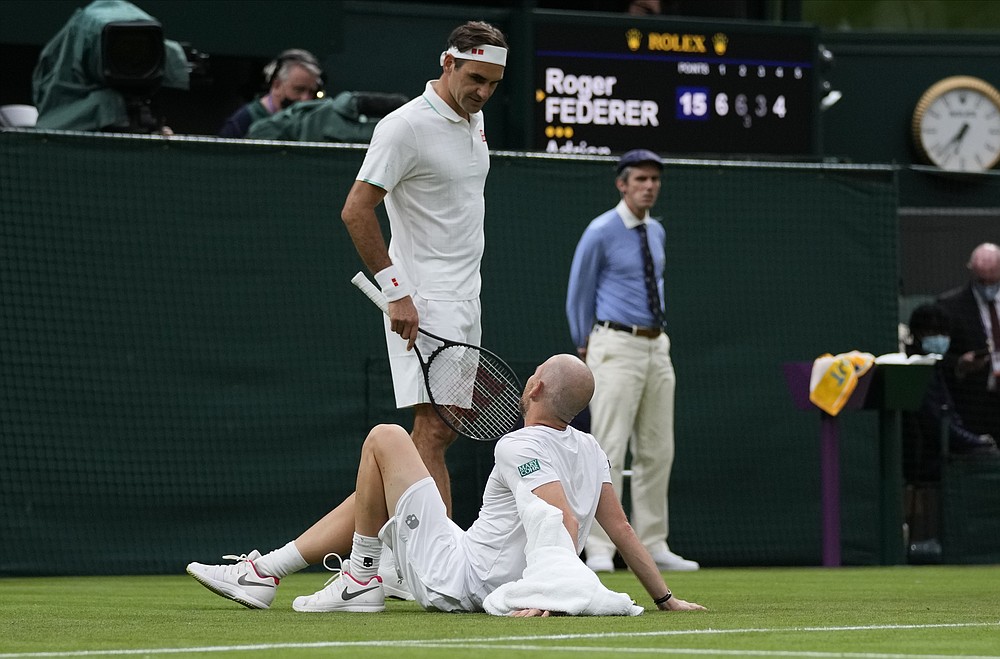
(428, 162)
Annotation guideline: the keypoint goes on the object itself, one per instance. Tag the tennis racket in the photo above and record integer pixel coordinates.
(473, 391)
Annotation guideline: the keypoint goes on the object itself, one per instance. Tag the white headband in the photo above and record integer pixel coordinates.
(484, 53)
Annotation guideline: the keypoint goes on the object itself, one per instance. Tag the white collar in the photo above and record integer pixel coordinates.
(443, 109)
(628, 217)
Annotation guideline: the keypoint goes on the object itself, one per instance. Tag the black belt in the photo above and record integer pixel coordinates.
(634, 330)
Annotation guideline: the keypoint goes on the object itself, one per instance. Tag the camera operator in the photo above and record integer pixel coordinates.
(295, 75)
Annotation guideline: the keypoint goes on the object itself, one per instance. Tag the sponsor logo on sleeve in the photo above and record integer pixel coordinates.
(529, 467)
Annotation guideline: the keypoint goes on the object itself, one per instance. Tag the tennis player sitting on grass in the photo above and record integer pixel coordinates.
(546, 469)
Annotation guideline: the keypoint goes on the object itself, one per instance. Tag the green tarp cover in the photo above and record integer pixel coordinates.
(67, 83)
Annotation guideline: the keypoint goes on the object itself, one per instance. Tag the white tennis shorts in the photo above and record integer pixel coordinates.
(428, 551)
(458, 320)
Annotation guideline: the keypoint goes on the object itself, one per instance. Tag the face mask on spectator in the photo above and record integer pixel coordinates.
(988, 291)
(937, 344)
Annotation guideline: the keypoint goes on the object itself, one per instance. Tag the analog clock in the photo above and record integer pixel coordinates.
(956, 125)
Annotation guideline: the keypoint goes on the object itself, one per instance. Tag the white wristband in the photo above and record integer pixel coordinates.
(392, 284)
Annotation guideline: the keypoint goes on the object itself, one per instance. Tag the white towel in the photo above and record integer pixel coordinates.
(903, 358)
(555, 578)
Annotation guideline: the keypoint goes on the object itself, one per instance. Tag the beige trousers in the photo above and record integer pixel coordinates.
(633, 409)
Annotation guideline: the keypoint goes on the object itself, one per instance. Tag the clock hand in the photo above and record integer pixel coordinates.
(954, 143)
(961, 133)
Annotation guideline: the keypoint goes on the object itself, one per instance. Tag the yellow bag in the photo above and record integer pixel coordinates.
(834, 379)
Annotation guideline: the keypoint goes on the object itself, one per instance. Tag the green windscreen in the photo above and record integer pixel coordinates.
(187, 372)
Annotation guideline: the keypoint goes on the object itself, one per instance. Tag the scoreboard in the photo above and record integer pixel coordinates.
(677, 89)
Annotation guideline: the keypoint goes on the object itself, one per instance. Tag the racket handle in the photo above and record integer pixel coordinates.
(374, 294)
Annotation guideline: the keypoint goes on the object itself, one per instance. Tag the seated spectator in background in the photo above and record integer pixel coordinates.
(295, 75)
(930, 329)
(347, 117)
(972, 365)
(928, 433)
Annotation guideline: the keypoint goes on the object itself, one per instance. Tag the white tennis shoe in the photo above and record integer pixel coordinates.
(343, 592)
(240, 582)
(674, 562)
(599, 563)
(393, 582)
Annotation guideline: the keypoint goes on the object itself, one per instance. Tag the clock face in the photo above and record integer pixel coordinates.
(957, 125)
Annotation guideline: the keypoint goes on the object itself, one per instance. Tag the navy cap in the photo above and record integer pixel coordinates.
(637, 156)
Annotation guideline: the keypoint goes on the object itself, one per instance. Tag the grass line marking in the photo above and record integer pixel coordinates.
(617, 649)
(527, 643)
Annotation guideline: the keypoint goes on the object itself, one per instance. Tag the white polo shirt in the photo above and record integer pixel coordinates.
(433, 165)
(534, 455)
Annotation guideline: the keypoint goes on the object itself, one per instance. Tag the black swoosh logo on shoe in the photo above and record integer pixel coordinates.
(243, 581)
(348, 595)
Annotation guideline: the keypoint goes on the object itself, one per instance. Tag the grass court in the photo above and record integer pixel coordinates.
(871, 612)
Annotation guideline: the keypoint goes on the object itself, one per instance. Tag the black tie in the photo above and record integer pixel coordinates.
(652, 293)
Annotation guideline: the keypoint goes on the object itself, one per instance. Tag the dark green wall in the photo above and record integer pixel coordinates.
(393, 47)
(186, 370)
(225, 27)
(173, 313)
(882, 76)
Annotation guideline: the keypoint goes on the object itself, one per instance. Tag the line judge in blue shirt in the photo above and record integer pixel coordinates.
(615, 308)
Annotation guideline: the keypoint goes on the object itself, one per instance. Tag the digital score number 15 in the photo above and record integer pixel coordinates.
(693, 104)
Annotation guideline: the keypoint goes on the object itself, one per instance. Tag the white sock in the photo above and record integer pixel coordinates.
(365, 554)
(281, 562)
(388, 561)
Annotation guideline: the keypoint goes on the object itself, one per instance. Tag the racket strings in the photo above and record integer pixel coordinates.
(476, 392)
